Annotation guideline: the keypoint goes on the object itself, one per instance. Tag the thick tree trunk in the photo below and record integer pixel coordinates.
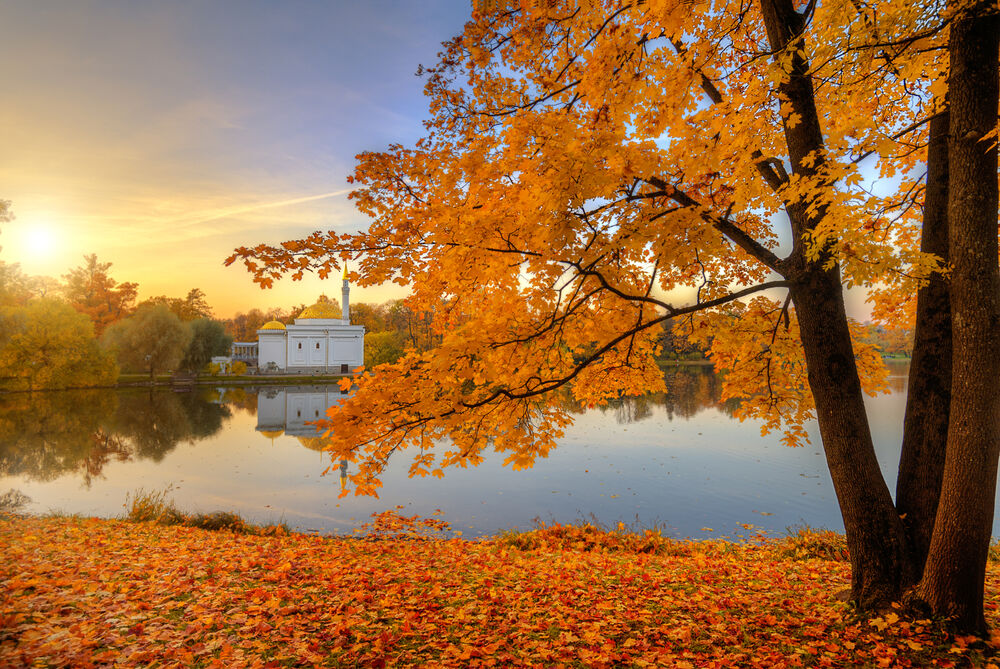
(925, 427)
(875, 535)
(956, 565)
(875, 538)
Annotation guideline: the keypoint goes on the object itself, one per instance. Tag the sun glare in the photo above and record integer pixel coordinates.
(36, 243)
(38, 240)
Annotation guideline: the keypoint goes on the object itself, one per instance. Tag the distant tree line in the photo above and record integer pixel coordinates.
(87, 328)
(891, 342)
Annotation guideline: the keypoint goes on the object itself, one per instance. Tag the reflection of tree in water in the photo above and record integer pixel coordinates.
(155, 422)
(693, 389)
(46, 435)
(239, 398)
(898, 376)
(205, 418)
(690, 390)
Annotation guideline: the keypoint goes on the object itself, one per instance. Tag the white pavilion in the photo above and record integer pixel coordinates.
(319, 341)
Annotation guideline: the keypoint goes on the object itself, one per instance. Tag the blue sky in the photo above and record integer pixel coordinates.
(160, 135)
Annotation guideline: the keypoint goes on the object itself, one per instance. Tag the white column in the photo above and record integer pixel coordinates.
(345, 312)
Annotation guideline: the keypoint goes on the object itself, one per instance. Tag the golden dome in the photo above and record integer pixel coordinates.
(272, 434)
(273, 325)
(312, 443)
(320, 310)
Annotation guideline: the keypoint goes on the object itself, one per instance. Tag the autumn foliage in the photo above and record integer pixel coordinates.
(87, 592)
(593, 170)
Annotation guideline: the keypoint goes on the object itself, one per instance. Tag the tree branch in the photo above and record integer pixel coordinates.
(672, 312)
(723, 225)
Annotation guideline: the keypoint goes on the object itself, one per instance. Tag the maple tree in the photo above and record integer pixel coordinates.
(591, 171)
(91, 291)
(6, 214)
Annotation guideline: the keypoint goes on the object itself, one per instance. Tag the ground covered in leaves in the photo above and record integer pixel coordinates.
(86, 592)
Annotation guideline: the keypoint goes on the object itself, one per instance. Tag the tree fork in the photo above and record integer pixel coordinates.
(954, 575)
(875, 536)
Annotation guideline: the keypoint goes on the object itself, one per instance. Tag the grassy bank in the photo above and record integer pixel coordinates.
(80, 592)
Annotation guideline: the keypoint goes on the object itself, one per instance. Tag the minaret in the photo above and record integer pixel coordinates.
(345, 309)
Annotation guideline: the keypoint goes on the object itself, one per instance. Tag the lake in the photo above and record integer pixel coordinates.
(678, 461)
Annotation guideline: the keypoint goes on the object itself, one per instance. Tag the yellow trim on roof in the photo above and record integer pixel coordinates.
(320, 310)
(273, 325)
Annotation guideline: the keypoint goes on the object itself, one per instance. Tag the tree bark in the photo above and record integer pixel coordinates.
(925, 426)
(954, 575)
(875, 535)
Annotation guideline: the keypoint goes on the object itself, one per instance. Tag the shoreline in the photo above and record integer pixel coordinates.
(204, 381)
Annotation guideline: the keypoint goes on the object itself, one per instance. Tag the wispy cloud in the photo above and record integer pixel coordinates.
(228, 212)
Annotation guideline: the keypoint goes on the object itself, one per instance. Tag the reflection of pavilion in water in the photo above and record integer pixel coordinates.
(289, 410)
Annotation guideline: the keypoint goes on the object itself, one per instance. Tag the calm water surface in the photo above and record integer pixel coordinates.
(678, 460)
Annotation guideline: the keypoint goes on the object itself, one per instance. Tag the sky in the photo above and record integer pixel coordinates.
(162, 135)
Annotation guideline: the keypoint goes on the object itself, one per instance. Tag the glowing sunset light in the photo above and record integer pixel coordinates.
(38, 244)
(152, 136)
(39, 240)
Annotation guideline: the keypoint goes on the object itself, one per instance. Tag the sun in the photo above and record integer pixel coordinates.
(37, 243)
(38, 240)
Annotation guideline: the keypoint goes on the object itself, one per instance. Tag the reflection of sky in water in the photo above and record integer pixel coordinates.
(708, 471)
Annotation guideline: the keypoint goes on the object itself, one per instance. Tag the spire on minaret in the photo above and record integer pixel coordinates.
(345, 307)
